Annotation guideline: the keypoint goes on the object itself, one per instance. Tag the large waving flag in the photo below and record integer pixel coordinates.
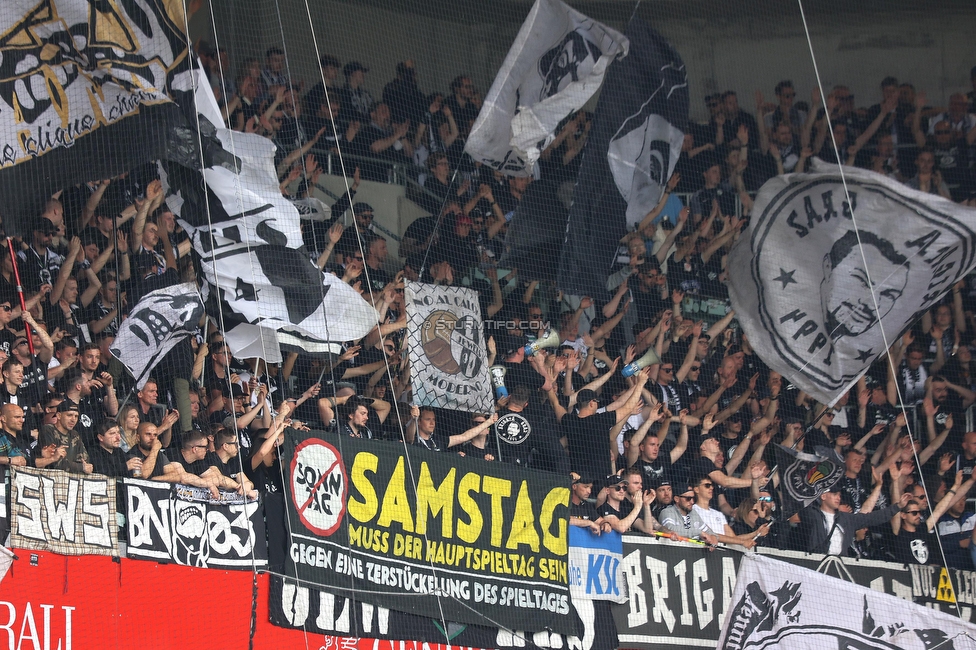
(814, 278)
(85, 93)
(557, 62)
(632, 149)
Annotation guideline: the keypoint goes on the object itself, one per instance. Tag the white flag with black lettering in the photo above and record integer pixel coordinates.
(448, 362)
(782, 606)
(557, 62)
(814, 279)
(162, 319)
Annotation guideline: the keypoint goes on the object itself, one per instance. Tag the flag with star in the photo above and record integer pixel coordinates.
(826, 274)
(258, 279)
(631, 152)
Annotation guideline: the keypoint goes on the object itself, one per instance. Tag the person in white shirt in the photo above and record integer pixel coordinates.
(715, 521)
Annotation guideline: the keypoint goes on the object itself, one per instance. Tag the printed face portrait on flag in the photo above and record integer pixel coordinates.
(852, 313)
(827, 263)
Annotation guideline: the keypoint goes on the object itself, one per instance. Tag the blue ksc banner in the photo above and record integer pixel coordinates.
(595, 566)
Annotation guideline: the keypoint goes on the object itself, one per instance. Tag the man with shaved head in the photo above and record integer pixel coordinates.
(12, 421)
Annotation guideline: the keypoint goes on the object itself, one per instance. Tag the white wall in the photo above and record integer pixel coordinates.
(740, 50)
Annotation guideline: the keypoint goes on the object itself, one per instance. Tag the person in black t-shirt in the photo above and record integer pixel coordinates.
(587, 432)
(620, 510)
(226, 459)
(422, 432)
(913, 544)
(478, 447)
(528, 436)
(107, 457)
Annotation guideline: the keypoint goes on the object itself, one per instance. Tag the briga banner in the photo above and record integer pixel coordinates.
(449, 366)
(169, 522)
(427, 533)
(70, 514)
(678, 595)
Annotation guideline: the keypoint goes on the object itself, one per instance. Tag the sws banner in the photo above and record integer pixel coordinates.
(70, 514)
(313, 611)
(448, 363)
(427, 533)
(177, 523)
(777, 605)
(595, 566)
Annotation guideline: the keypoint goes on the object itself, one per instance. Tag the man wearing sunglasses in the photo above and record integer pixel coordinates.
(39, 264)
(913, 543)
(680, 517)
(621, 509)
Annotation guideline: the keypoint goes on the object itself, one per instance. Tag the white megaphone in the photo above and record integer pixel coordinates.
(549, 339)
(498, 380)
(649, 359)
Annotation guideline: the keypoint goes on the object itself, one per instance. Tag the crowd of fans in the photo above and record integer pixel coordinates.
(683, 448)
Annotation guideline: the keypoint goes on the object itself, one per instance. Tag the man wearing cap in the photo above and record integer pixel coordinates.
(621, 509)
(528, 435)
(663, 495)
(646, 522)
(404, 98)
(356, 101)
(828, 529)
(363, 215)
(34, 386)
(582, 513)
(680, 517)
(587, 432)
(226, 458)
(71, 453)
(39, 264)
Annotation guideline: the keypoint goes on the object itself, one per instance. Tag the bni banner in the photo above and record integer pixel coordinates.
(168, 522)
(433, 534)
(595, 566)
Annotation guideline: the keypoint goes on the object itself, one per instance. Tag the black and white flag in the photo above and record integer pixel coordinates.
(633, 147)
(448, 362)
(249, 241)
(159, 321)
(557, 62)
(814, 279)
(169, 522)
(85, 93)
(781, 606)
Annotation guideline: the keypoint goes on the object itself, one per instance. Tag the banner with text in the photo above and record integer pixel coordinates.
(678, 595)
(298, 606)
(777, 605)
(595, 569)
(448, 362)
(463, 540)
(176, 523)
(70, 514)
